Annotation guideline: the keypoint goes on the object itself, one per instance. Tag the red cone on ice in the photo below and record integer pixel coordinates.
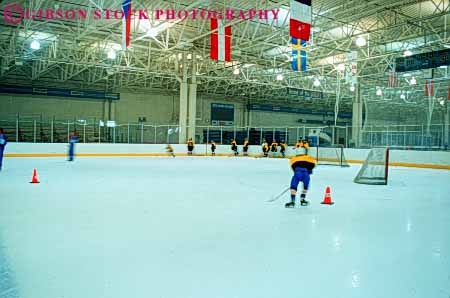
(35, 178)
(327, 200)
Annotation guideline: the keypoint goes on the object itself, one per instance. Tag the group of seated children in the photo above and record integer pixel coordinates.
(273, 148)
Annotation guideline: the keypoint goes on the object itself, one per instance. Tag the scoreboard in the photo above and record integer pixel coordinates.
(423, 61)
(222, 114)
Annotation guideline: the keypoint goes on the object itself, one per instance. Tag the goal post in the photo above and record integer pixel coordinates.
(375, 170)
(332, 156)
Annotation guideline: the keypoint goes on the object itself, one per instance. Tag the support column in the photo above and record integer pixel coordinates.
(357, 116)
(248, 113)
(105, 115)
(193, 100)
(446, 126)
(112, 115)
(183, 103)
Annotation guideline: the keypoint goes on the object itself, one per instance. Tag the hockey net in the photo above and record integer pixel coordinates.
(375, 168)
(333, 156)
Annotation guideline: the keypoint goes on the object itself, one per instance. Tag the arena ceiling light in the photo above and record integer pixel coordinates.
(379, 92)
(402, 95)
(360, 41)
(407, 53)
(236, 71)
(341, 67)
(413, 81)
(35, 45)
(352, 88)
(111, 54)
(316, 82)
(280, 77)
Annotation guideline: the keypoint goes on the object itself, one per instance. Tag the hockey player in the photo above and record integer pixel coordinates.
(299, 144)
(245, 147)
(302, 165)
(234, 147)
(213, 148)
(283, 149)
(190, 146)
(72, 141)
(169, 150)
(265, 148)
(3, 142)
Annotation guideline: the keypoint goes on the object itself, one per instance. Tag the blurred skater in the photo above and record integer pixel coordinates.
(169, 150)
(72, 141)
(3, 142)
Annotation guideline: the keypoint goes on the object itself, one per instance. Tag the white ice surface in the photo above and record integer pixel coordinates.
(202, 228)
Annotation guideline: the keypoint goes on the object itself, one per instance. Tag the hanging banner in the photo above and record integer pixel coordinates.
(352, 71)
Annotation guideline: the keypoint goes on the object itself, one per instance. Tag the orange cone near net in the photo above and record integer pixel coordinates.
(35, 178)
(327, 200)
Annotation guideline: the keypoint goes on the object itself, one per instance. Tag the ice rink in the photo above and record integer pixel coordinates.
(202, 228)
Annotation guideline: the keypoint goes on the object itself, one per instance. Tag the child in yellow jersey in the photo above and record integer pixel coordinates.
(234, 147)
(273, 146)
(265, 149)
(283, 149)
(245, 147)
(302, 165)
(190, 146)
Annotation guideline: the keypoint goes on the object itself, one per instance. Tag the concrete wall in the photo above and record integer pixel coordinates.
(420, 159)
(47, 107)
(158, 108)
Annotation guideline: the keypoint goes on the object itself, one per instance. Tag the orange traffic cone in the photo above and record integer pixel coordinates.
(327, 200)
(35, 178)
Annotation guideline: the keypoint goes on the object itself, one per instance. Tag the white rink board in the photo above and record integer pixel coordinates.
(355, 155)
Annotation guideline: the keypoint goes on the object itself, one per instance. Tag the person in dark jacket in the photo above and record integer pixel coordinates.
(234, 147)
(213, 148)
(190, 146)
(283, 149)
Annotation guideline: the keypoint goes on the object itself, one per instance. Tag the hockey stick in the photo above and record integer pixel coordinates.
(273, 199)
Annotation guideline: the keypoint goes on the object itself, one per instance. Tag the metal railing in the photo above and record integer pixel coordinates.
(396, 136)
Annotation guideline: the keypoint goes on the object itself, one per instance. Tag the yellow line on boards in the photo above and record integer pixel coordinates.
(396, 164)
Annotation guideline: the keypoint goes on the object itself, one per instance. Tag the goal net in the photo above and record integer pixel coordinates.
(375, 168)
(333, 156)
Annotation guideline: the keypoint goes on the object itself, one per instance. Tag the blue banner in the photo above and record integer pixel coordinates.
(270, 108)
(59, 92)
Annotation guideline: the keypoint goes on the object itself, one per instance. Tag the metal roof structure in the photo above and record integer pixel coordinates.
(74, 52)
